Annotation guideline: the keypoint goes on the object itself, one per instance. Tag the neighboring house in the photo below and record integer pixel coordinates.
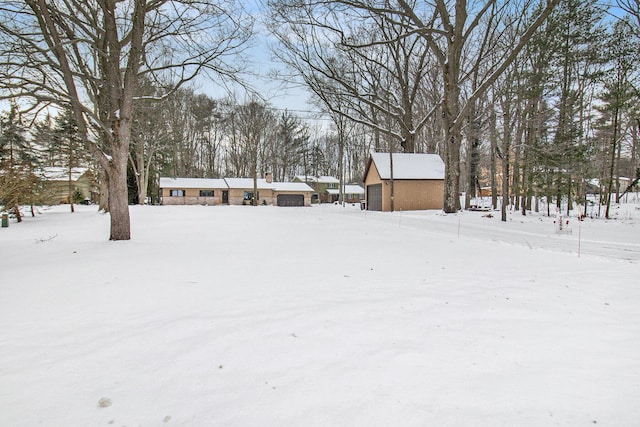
(233, 191)
(56, 182)
(418, 182)
(321, 185)
(594, 185)
(352, 193)
(193, 191)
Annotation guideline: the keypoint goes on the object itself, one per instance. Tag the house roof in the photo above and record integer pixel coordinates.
(328, 180)
(353, 189)
(233, 183)
(55, 173)
(408, 166)
(348, 189)
(192, 183)
(318, 179)
(242, 183)
(291, 186)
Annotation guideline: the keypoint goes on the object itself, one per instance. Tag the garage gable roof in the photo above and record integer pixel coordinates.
(408, 166)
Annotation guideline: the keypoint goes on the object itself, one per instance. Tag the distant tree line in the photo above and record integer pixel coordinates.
(187, 134)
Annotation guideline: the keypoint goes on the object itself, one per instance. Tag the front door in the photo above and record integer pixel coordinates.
(225, 197)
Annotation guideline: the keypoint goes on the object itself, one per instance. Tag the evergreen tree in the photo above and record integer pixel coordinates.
(67, 148)
(18, 161)
(616, 96)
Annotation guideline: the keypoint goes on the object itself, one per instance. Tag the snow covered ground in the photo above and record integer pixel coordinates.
(322, 316)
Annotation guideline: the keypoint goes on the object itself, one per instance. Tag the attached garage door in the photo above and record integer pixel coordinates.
(374, 197)
(290, 200)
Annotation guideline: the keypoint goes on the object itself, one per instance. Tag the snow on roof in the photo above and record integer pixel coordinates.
(348, 189)
(235, 183)
(240, 183)
(55, 173)
(192, 183)
(320, 179)
(291, 186)
(353, 189)
(409, 166)
(328, 180)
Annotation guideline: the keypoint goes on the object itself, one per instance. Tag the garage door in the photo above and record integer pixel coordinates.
(290, 200)
(374, 197)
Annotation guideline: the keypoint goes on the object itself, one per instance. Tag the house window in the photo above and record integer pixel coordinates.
(176, 193)
(206, 193)
(248, 195)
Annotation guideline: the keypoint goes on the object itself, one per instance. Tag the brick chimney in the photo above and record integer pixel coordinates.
(269, 177)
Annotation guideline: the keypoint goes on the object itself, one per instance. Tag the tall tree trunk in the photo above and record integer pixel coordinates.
(613, 156)
(16, 210)
(473, 156)
(494, 155)
(392, 189)
(119, 194)
(341, 143)
(71, 188)
(103, 196)
(618, 157)
(144, 187)
(452, 173)
(569, 194)
(71, 175)
(517, 186)
(254, 175)
(506, 155)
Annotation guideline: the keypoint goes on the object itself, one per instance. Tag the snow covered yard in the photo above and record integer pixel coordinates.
(322, 316)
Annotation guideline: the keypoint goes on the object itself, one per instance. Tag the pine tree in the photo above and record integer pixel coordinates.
(616, 97)
(67, 148)
(18, 161)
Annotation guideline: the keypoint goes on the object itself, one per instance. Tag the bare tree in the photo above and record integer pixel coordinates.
(89, 57)
(250, 124)
(632, 8)
(338, 51)
(448, 28)
(288, 150)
